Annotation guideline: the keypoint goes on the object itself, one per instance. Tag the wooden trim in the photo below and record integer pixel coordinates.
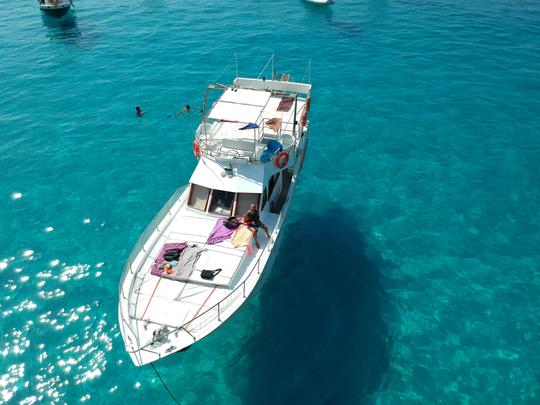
(190, 193)
(189, 202)
(235, 203)
(264, 200)
(209, 199)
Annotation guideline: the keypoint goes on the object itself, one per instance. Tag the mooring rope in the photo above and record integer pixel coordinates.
(165, 385)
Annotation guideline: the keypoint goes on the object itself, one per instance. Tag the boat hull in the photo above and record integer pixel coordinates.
(320, 1)
(56, 11)
(159, 316)
(185, 336)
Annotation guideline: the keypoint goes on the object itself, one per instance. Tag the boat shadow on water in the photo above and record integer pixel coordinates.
(63, 28)
(354, 26)
(322, 335)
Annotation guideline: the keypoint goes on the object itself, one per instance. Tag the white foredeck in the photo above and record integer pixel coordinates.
(152, 301)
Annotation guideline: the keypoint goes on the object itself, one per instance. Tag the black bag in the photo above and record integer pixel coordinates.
(209, 274)
(231, 223)
(172, 254)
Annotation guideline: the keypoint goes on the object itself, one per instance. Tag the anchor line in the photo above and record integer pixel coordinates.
(165, 385)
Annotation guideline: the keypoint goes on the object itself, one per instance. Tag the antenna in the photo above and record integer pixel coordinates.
(307, 72)
(226, 67)
(236, 59)
(265, 66)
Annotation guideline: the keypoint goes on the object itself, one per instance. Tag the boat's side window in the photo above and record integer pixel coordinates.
(244, 200)
(222, 202)
(198, 197)
(272, 183)
(264, 198)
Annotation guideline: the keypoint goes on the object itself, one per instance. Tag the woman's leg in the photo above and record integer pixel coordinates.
(254, 232)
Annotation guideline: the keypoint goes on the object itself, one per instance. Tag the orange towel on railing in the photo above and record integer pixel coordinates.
(274, 124)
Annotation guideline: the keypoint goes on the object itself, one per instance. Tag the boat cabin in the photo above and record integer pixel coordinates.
(230, 190)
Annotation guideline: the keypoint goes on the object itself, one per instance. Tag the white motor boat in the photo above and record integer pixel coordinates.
(192, 268)
(55, 8)
(321, 1)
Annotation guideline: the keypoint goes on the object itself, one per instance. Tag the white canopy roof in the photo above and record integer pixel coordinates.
(245, 96)
(269, 85)
(241, 105)
(246, 178)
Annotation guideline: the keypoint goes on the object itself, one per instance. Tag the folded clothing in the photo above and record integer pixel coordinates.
(156, 271)
(181, 270)
(186, 264)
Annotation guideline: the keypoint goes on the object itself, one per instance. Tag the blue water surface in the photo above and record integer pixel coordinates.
(408, 271)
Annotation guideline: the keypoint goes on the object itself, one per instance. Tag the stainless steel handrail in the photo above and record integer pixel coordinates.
(206, 138)
(139, 245)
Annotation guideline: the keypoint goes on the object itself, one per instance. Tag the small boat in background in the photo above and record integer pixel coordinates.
(55, 8)
(321, 1)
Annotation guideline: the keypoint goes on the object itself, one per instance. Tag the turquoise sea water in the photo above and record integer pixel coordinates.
(409, 268)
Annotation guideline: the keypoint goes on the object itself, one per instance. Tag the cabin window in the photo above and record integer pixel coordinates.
(264, 198)
(244, 200)
(272, 183)
(198, 197)
(222, 202)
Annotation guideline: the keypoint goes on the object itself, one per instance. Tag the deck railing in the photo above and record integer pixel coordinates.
(217, 311)
(214, 147)
(140, 245)
(152, 226)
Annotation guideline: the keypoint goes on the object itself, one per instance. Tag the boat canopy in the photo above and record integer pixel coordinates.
(242, 178)
(273, 85)
(240, 105)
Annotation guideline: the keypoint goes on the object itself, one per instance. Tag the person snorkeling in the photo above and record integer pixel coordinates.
(185, 110)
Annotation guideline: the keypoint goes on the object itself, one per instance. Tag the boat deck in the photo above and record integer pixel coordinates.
(172, 303)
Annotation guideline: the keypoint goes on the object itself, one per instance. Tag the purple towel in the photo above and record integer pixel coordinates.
(156, 271)
(219, 233)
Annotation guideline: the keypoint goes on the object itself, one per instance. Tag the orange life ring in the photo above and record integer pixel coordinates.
(196, 149)
(281, 160)
(304, 118)
(308, 103)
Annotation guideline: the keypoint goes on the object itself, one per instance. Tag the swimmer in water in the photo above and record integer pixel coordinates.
(186, 109)
(139, 112)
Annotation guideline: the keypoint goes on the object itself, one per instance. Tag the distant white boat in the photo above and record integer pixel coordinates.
(182, 280)
(321, 1)
(55, 8)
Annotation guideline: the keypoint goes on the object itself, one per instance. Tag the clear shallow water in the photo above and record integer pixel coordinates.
(409, 269)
